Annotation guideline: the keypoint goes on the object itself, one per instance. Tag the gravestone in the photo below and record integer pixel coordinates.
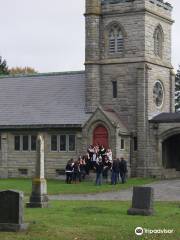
(142, 202)
(11, 211)
(39, 197)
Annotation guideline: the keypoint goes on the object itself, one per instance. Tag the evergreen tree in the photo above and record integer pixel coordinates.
(177, 90)
(3, 67)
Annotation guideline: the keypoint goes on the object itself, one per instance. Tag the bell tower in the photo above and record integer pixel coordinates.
(128, 68)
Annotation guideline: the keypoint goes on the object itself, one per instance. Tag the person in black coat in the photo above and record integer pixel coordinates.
(115, 172)
(102, 152)
(69, 171)
(99, 170)
(123, 169)
(107, 167)
(82, 166)
(76, 172)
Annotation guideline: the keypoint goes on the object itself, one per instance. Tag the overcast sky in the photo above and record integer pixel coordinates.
(48, 35)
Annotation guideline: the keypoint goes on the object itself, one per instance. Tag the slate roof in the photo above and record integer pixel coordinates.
(49, 99)
(166, 118)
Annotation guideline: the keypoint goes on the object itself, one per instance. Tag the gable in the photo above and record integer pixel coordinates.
(109, 118)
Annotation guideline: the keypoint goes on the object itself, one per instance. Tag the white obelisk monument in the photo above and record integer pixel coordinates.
(39, 197)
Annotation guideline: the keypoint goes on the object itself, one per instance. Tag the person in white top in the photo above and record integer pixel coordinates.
(109, 154)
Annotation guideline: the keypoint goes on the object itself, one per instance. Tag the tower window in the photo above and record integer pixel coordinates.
(135, 144)
(120, 42)
(158, 41)
(116, 41)
(122, 146)
(112, 42)
(114, 88)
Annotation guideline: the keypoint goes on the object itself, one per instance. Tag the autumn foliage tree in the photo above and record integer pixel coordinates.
(22, 70)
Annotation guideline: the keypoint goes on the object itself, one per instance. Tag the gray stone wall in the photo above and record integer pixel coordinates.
(122, 6)
(154, 6)
(125, 153)
(158, 133)
(148, 146)
(132, 26)
(157, 7)
(92, 77)
(125, 103)
(162, 74)
(151, 22)
(11, 160)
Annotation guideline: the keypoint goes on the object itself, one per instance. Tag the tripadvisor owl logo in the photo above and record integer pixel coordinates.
(139, 231)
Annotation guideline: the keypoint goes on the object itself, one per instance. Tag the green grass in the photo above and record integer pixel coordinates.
(60, 187)
(96, 220)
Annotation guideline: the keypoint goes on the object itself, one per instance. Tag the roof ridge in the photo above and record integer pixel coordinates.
(43, 74)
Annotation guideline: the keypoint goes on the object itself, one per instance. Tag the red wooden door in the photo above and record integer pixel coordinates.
(100, 136)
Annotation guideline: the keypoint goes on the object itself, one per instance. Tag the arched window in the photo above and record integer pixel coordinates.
(158, 41)
(116, 41)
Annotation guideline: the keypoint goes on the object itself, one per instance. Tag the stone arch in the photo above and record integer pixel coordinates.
(170, 142)
(100, 118)
(94, 125)
(169, 133)
(116, 24)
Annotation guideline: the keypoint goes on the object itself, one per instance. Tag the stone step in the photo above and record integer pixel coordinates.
(170, 173)
(178, 174)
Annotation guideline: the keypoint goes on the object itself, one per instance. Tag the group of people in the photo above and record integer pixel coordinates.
(117, 167)
(100, 160)
(76, 170)
(99, 152)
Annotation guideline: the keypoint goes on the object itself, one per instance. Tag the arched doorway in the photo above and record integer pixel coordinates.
(171, 152)
(100, 136)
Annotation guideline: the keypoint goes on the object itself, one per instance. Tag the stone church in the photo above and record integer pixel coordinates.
(124, 99)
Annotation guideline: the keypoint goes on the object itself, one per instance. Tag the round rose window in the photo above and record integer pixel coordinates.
(158, 94)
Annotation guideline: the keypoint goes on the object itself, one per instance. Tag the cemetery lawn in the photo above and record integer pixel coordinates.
(60, 187)
(96, 220)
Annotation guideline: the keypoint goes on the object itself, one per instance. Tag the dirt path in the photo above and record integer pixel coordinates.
(167, 190)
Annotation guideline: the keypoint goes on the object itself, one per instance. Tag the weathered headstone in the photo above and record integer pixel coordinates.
(142, 202)
(39, 197)
(12, 211)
